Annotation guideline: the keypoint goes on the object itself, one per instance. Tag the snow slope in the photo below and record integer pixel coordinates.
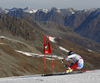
(87, 77)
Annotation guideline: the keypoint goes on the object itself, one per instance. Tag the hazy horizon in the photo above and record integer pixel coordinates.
(37, 4)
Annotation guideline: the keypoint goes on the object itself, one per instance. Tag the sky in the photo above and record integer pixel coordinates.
(38, 4)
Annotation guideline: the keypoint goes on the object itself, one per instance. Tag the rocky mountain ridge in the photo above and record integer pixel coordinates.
(75, 19)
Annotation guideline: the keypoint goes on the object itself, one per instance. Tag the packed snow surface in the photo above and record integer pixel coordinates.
(52, 39)
(63, 49)
(87, 77)
(39, 55)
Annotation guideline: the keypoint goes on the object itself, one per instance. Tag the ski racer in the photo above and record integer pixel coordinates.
(77, 61)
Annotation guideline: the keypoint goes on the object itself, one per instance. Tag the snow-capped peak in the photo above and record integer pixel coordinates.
(89, 10)
(44, 10)
(56, 9)
(13, 9)
(3, 10)
(29, 10)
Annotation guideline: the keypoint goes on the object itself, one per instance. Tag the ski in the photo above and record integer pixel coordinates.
(63, 73)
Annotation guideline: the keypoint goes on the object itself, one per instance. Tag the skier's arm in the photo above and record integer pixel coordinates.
(71, 56)
(68, 57)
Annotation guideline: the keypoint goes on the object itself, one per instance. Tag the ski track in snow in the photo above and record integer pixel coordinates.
(87, 77)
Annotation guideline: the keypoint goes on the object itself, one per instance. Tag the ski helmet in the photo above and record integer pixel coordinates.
(70, 53)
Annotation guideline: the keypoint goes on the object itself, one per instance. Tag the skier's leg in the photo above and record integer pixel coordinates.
(74, 65)
(71, 67)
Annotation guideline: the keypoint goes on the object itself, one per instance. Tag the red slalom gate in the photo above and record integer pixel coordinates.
(47, 50)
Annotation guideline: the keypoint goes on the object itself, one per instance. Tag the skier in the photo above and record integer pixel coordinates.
(77, 61)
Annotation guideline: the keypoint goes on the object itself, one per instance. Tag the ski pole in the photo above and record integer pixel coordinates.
(68, 52)
(66, 55)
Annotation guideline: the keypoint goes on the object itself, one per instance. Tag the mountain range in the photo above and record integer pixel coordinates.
(23, 30)
(67, 17)
(71, 17)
